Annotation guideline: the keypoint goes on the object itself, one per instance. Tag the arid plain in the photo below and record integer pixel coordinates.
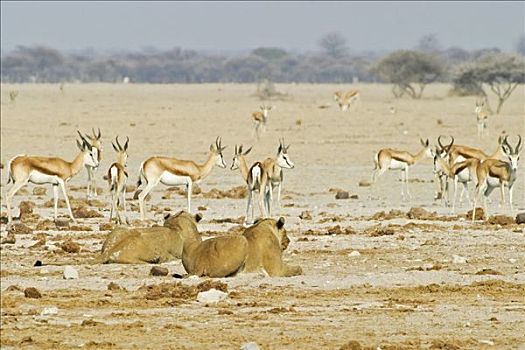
(417, 277)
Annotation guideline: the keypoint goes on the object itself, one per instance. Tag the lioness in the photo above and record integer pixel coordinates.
(266, 241)
(259, 248)
(151, 244)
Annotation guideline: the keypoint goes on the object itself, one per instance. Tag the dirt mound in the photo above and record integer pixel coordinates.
(178, 292)
(379, 230)
(83, 213)
(39, 191)
(237, 192)
(392, 214)
(20, 229)
(46, 225)
(502, 220)
(480, 214)
(70, 246)
(239, 220)
(420, 214)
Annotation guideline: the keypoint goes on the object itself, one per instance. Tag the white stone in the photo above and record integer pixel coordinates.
(53, 310)
(354, 253)
(250, 346)
(70, 273)
(211, 296)
(456, 259)
(512, 260)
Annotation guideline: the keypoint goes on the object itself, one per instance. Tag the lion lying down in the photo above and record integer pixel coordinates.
(151, 244)
(258, 249)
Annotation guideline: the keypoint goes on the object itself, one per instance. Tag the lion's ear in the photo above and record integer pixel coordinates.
(198, 217)
(280, 223)
(167, 216)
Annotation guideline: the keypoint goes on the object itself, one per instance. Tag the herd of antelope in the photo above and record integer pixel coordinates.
(460, 164)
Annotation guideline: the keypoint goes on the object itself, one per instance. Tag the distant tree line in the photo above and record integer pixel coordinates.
(409, 71)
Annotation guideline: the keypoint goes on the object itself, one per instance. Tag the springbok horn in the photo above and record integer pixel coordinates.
(126, 144)
(118, 144)
(517, 149)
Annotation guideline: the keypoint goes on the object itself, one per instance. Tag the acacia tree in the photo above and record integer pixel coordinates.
(501, 72)
(409, 71)
(334, 44)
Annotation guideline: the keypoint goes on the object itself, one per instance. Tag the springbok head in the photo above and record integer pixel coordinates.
(217, 149)
(90, 152)
(283, 160)
(237, 156)
(512, 153)
(122, 154)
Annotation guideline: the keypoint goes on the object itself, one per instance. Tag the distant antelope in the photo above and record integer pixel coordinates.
(260, 119)
(493, 173)
(175, 172)
(391, 159)
(272, 176)
(462, 172)
(252, 177)
(117, 178)
(482, 116)
(95, 141)
(13, 94)
(345, 100)
(48, 170)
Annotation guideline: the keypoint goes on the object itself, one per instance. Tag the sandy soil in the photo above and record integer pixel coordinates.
(407, 289)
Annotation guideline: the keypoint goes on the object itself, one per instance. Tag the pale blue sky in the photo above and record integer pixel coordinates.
(245, 25)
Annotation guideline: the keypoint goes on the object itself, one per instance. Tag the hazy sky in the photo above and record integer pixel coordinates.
(246, 25)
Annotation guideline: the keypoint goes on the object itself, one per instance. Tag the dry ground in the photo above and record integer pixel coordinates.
(404, 291)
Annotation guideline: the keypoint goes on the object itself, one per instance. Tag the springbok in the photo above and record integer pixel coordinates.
(260, 118)
(493, 173)
(117, 178)
(462, 172)
(345, 100)
(252, 177)
(482, 116)
(175, 172)
(95, 141)
(272, 176)
(391, 159)
(48, 170)
(459, 153)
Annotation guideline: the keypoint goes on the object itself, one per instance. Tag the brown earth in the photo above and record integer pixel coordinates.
(378, 273)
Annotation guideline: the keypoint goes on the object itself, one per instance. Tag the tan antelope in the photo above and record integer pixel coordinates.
(462, 172)
(252, 177)
(272, 176)
(175, 172)
(260, 119)
(95, 141)
(459, 153)
(345, 100)
(493, 173)
(391, 159)
(482, 116)
(117, 178)
(48, 170)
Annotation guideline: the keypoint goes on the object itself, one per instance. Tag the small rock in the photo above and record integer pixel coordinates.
(158, 271)
(512, 260)
(456, 259)
(354, 196)
(84, 213)
(39, 191)
(354, 253)
(37, 263)
(305, 215)
(70, 246)
(70, 273)
(26, 208)
(105, 226)
(520, 218)
(342, 195)
(62, 223)
(364, 183)
(211, 296)
(19, 228)
(113, 286)
(250, 346)
(53, 310)
(32, 292)
(9, 239)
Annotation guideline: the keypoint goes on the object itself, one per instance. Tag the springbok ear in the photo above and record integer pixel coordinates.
(212, 148)
(280, 223)
(167, 216)
(427, 142)
(198, 217)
